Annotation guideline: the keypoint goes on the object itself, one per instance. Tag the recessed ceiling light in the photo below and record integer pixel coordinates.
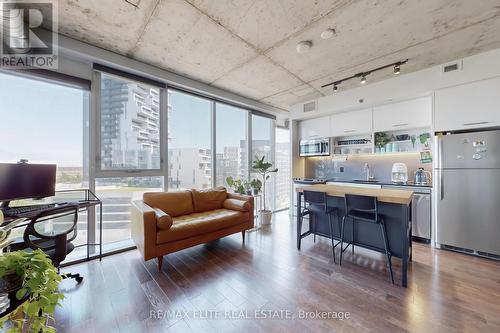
(328, 33)
(303, 46)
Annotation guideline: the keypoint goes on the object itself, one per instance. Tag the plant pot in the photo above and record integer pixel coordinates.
(249, 192)
(255, 192)
(266, 217)
(11, 282)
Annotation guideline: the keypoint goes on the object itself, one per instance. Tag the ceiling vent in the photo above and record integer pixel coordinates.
(311, 106)
(451, 67)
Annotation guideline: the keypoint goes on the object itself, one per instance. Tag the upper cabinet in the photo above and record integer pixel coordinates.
(313, 128)
(351, 123)
(415, 113)
(468, 106)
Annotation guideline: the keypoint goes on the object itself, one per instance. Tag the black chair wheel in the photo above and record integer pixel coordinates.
(79, 279)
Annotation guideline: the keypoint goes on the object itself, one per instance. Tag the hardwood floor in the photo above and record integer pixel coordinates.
(447, 292)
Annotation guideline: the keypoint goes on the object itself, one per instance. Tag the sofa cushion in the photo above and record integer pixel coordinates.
(234, 204)
(208, 199)
(174, 203)
(200, 223)
(163, 220)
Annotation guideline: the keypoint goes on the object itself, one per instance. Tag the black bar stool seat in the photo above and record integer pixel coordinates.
(318, 204)
(360, 208)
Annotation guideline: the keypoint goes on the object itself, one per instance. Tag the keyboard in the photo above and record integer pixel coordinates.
(23, 211)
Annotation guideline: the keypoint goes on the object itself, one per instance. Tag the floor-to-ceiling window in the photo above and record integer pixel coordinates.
(129, 151)
(46, 121)
(262, 146)
(189, 141)
(231, 143)
(283, 163)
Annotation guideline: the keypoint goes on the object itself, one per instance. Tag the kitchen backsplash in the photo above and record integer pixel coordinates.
(353, 167)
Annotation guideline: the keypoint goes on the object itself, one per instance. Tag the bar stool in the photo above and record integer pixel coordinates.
(362, 208)
(317, 204)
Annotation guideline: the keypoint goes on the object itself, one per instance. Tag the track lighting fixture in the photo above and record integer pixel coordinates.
(363, 75)
(397, 69)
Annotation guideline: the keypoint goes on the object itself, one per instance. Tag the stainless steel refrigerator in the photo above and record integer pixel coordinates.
(468, 200)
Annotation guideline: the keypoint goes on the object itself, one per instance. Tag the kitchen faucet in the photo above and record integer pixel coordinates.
(367, 169)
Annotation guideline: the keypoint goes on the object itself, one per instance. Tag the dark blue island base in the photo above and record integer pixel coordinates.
(367, 235)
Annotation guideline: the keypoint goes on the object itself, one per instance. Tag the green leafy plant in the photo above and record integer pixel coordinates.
(264, 169)
(424, 137)
(40, 282)
(238, 185)
(256, 185)
(381, 139)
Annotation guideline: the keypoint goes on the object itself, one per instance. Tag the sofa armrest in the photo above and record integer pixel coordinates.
(143, 228)
(235, 204)
(163, 220)
(250, 200)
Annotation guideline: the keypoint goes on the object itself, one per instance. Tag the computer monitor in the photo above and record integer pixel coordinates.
(23, 181)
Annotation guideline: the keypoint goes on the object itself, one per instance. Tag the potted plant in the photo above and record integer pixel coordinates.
(381, 139)
(256, 185)
(264, 169)
(237, 185)
(39, 286)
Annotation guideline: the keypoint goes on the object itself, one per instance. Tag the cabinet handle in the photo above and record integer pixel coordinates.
(478, 123)
(399, 125)
(349, 131)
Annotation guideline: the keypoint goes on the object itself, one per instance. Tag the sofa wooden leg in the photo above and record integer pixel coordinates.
(243, 236)
(160, 262)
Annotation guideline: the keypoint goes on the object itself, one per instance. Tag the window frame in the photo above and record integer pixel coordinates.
(99, 172)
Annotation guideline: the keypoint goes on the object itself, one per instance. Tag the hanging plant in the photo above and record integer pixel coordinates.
(40, 282)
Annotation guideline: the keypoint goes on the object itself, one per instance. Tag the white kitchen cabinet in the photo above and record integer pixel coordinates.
(468, 106)
(313, 128)
(415, 113)
(351, 123)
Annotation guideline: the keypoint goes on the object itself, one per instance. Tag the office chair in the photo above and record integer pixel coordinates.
(56, 245)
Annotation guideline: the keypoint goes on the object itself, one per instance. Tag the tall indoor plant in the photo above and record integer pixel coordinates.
(264, 169)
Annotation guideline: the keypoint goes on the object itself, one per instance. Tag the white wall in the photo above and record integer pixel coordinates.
(406, 86)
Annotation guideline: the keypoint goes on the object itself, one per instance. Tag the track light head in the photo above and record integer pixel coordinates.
(397, 69)
(335, 88)
(363, 79)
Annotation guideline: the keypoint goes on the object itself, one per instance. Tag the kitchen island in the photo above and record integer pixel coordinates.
(394, 205)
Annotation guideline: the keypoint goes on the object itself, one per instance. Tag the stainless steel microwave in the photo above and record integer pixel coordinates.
(314, 147)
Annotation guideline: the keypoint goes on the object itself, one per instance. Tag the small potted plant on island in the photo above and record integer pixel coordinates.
(264, 169)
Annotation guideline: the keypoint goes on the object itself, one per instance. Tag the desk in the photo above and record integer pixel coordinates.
(393, 204)
(86, 200)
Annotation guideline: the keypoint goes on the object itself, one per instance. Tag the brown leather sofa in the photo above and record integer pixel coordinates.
(166, 222)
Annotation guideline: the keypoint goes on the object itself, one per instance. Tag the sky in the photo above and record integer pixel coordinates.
(40, 121)
(43, 122)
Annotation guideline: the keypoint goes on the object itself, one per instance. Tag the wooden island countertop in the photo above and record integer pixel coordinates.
(402, 197)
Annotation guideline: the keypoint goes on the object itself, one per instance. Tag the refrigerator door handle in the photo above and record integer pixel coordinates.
(441, 178)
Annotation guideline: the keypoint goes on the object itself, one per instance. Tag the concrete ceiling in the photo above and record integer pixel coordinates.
(248, 46)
